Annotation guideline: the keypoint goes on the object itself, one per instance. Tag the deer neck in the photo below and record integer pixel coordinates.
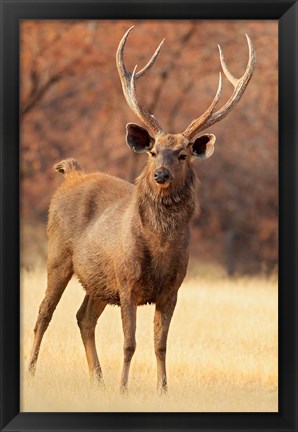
(165, 212)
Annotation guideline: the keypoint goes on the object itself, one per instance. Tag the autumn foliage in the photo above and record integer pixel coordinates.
(71, 105)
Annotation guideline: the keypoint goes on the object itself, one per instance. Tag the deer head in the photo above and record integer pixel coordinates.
(171, 154)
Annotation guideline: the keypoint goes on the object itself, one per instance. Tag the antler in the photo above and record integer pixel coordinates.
(128, 85)
(210, 117)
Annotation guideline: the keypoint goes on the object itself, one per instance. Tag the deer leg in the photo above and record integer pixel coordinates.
(58, 278)
(128, 315)
(87, 317)
(162, 319)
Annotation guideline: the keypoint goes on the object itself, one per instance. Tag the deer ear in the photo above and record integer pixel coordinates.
(137, 138)
(203, 147)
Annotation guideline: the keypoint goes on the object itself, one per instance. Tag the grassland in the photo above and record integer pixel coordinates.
(222, 350)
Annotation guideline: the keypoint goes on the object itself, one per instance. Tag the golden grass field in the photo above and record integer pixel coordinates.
(222, 350)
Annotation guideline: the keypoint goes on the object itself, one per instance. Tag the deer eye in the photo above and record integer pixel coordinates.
(182, 156)
(153, 154)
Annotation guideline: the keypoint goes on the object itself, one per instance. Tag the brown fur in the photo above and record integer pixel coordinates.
(127, 244)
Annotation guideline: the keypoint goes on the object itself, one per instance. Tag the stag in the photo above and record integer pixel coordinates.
(128, 244)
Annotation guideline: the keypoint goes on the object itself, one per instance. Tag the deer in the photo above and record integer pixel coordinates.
(128, 244)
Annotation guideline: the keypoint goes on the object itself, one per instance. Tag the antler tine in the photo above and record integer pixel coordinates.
(151, 62)
(225, 69)
(249, 69)
(208, 119)
(128, 84)
(196, 123)
(139, 109)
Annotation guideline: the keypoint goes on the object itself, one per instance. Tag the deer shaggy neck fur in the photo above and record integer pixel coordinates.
(166, 210)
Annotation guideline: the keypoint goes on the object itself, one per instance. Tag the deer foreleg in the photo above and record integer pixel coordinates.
(162, 319)
(128, 315)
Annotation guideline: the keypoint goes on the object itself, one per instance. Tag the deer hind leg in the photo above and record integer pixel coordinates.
(87, 317)
(128, 315)
(58, 278)
(162, 319)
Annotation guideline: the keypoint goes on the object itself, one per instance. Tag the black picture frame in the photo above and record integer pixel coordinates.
(286, 12)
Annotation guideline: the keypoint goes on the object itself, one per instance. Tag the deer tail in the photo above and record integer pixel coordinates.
(67, 166)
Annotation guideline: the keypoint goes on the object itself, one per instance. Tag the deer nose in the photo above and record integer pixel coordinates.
(162, 175)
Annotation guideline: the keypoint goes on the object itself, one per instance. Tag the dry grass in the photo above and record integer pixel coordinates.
(222, 351)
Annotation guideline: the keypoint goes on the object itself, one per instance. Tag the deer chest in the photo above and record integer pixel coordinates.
(159, 276)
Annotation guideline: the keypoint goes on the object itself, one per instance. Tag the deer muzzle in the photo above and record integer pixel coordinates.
(163, 176)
